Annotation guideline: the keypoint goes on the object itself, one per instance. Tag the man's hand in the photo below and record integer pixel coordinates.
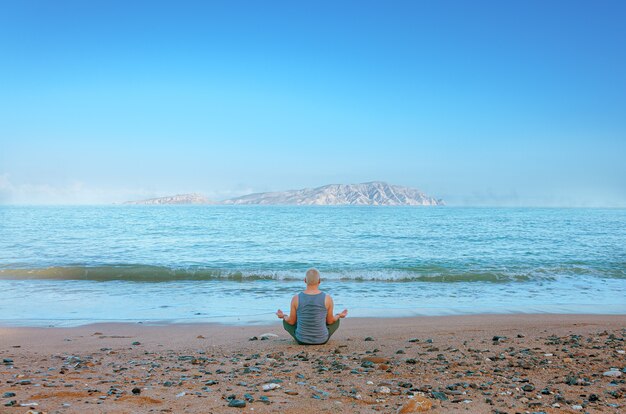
(343, 314)
(280, 314)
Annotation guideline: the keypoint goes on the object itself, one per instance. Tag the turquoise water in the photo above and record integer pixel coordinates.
(237, 264)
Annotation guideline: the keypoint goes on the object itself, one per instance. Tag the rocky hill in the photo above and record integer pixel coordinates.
(373, 193)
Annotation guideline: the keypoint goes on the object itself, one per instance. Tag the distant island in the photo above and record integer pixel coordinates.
(374, 193)
(175, 199)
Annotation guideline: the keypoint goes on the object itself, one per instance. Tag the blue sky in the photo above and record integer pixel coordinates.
(480, 103)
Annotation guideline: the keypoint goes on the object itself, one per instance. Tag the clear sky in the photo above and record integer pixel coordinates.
(480, 103)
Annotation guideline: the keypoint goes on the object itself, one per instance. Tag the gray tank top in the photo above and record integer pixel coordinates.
(311, 323)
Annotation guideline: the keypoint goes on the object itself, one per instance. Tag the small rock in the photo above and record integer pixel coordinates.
(136, 343)
(613, 372)
(416, 404)
(249, 398)
(439, 395)
(264, 399)
(181, 394)
(136, 391)
(237, 403)
(291, 392)
(10, 403)
(270, 386)
(528, 387)
(267, 336)
(383, 390)
(8, 395)
(414, 340)
(577, 407)
(7, 361)
(368, 338)
(594, 397)
(253, 338)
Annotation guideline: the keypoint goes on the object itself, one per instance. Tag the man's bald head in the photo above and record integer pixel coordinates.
(312, 277)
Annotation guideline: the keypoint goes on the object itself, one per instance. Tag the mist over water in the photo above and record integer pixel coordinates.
(238, 264)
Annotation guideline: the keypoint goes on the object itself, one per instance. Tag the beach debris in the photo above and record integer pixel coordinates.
(33, 404)
(236, 403)
(613, 372)
(417, 404)
(270, 386)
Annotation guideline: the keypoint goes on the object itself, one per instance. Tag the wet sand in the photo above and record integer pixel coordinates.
(470, 364)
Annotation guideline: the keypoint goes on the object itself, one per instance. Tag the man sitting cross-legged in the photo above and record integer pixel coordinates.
(311, 320)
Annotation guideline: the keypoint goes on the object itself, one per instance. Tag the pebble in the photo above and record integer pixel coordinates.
(270, 386)
(7, 361)
(577, 407)
(613, 372)
(237, 403)
(8, 395)
(368, 338)
(416, 404)
(136, 391)
(439, 395)
(136, 343)
(383, 390)
(291, 392)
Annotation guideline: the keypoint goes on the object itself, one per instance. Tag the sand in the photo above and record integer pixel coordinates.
(470, 364)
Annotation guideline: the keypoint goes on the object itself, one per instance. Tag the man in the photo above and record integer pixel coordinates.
(311, 320)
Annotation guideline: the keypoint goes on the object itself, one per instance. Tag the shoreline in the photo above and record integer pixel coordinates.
(460, 363)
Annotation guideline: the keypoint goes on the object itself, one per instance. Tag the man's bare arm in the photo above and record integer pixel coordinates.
(330, 318)
(292, 318)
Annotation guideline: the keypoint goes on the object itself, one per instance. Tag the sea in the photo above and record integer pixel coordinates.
(75, 265)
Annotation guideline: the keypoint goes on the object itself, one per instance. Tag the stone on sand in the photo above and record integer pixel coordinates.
(417, 404)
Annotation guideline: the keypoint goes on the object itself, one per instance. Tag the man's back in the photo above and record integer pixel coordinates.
(311, 312)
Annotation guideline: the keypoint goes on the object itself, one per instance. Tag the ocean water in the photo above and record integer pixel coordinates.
(65, 266)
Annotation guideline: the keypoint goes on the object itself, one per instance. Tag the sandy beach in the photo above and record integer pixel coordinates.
(477, 364)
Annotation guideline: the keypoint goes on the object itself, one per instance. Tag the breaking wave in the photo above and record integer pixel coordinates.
(432, 274)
